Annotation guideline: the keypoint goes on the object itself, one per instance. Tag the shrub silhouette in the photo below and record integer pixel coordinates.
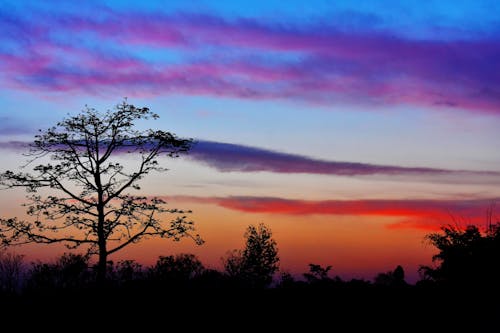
(125, 272)
(466, 257)
(176, 270)
(395, 278)
(11, 272)
(70, 271)
(317, 273)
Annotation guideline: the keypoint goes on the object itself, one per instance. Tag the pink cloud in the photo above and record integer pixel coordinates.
(254, 60)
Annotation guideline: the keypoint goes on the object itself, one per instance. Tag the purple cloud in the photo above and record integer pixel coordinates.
(251, 59)
(14, 145)
(226, 157)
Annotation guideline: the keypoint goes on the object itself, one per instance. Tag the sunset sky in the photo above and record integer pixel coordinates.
(351, 128)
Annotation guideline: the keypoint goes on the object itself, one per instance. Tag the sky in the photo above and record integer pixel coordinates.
(351, 128)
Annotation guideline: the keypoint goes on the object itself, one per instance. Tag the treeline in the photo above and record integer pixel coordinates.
(466, 258)
(74, 272)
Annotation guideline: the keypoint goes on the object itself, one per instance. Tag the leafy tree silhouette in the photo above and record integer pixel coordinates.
(286, 280)
(255, 265)
(11, 272)
(395, 278)
(125, 272)
(317, 273)
(318, 277)
(86, 200)
(178, 269)
(70, 271)
(467, 256)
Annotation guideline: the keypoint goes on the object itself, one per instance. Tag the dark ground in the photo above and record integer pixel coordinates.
(410, 309)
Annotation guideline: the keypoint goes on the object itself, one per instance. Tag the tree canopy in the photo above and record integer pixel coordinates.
(467, 256)
(79, 192)
(258, 261)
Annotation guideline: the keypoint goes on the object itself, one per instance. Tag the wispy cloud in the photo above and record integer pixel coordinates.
(420, 214)
(247, 58)
(14, 145)
(227, 157)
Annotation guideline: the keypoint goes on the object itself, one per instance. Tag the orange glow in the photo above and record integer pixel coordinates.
(359, 238)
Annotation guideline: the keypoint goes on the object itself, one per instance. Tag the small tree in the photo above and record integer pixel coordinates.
(126, 271)
(317, 273)
(395, 278)
(11, 271)
(70, 271)
(86, 202)
(179, 269)
(258, 261)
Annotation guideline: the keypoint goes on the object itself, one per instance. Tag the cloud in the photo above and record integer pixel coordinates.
(247, 58)
(419, 214)
(226, 157)
(14, 145)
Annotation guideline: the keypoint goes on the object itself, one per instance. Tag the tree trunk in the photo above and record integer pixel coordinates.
(101, 237)
(103, 253)
(101, 266)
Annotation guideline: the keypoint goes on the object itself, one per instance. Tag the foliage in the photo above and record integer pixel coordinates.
(234, 264)
(256, 264)
(393, 278)
(467, 256)
(78, 194)
(179, 268)
(11, 271)
(70, 271)
(126, 271)
(317, 273)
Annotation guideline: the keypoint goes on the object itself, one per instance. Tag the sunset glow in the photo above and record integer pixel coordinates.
(352, 129)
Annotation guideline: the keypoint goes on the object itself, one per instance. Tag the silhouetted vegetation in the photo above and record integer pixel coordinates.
(88, 202)
(255, 265)
(181, 282)
(70, 272)
(176, 270)
(467, 257)
(395, 278)
(11, 272)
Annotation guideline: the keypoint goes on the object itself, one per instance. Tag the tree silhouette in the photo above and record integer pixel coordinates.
(177, 269)
(80, 195)
(258, 261)
(70, 271)
(467, 256)
(317, 273)
(125, 272)
(11, 271)
(395, 278)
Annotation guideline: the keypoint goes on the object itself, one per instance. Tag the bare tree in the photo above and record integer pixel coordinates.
(78, 195)
(11, 271)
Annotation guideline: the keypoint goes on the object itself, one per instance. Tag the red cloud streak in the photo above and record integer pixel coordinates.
(419, 214)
